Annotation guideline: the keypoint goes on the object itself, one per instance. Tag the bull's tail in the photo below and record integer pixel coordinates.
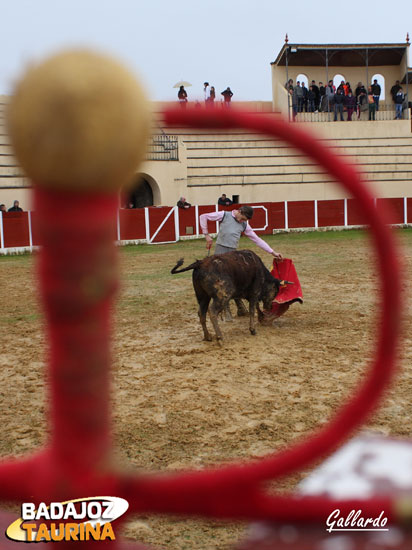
(175, 270)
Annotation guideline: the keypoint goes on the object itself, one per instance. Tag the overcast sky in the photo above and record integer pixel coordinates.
(226, 42)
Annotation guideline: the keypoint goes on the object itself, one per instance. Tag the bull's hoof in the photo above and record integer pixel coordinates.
(220, 342)
(242, 313)
(252, 331)
(207, 338)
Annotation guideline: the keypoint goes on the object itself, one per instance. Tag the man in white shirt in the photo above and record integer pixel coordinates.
(206, 92)
(232, 225)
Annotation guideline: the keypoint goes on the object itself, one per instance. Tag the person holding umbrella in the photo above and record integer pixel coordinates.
(182, 94)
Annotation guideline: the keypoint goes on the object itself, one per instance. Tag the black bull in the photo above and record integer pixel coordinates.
(238, 274)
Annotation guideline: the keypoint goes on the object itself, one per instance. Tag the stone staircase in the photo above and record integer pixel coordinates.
(11, 175)
(383, 152)
(261, 167)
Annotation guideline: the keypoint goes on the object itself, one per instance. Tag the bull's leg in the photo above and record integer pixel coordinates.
(252, 322)
(260, 314)
(203, 307)
(215, 308)
(241, 308)
(227, 314)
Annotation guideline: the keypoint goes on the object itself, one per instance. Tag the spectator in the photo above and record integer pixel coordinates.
(295, 102)
(360, 88)
(346, 88)
(299, 96)
(338, 100)
(350, 104)
(206, 92)
(399, 99)
(342, 86)
(181, 203)
(330, 94)
(315, 90)
(371, 104)
(224, 201)
(305, 97)
(289, 84)
(212, 96)
(362, 101)
(227, 96)
(3, 208)
(16, 207)
(376, 91)
(394, 90)
(182, 96)
(311, 100)
(322, 97)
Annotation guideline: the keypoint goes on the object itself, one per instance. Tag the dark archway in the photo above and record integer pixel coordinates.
(140, 194)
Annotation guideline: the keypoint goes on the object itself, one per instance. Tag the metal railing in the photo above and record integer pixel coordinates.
(387, 111)
(163, 147)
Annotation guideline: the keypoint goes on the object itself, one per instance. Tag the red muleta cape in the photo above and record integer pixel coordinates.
(288, 294)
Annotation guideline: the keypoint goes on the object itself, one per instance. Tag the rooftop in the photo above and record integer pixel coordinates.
(341, 55)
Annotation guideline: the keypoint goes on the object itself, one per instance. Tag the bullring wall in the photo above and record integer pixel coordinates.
(156, 225)
(251, 166)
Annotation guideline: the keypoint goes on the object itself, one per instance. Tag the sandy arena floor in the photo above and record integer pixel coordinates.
(181, 402)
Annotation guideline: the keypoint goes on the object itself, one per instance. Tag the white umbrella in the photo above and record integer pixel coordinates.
(182, 83)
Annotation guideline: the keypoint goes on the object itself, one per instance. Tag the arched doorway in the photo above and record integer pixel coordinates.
(303, 78)
(338, 79)
(142, 192)
(381, 81)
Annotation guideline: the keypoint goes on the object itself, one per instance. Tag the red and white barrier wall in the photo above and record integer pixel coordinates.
(165, 224)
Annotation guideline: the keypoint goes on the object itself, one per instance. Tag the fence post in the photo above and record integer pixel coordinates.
(30, 232)
(118, 225)
(147, 224)
(315, 204)
(405, 210)
(345, 212)
(177, 230)
(197, 219)
(286, 215)
(1, 232)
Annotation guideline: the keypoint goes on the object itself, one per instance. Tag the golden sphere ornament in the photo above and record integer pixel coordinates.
(80, 121)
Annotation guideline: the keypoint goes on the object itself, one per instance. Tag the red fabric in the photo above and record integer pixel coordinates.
(77, 272)
(288, 294)
(286, 271)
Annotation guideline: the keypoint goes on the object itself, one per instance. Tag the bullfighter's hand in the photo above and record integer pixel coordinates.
(209, 241)
(278, 257)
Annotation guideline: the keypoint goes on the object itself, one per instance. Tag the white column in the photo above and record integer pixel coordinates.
(118, 225)
(30, 232)
(147, 224)
(197, 219)
(1, 232)
(177, 230)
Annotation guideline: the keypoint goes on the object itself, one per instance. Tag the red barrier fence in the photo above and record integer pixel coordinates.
(165, 224)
